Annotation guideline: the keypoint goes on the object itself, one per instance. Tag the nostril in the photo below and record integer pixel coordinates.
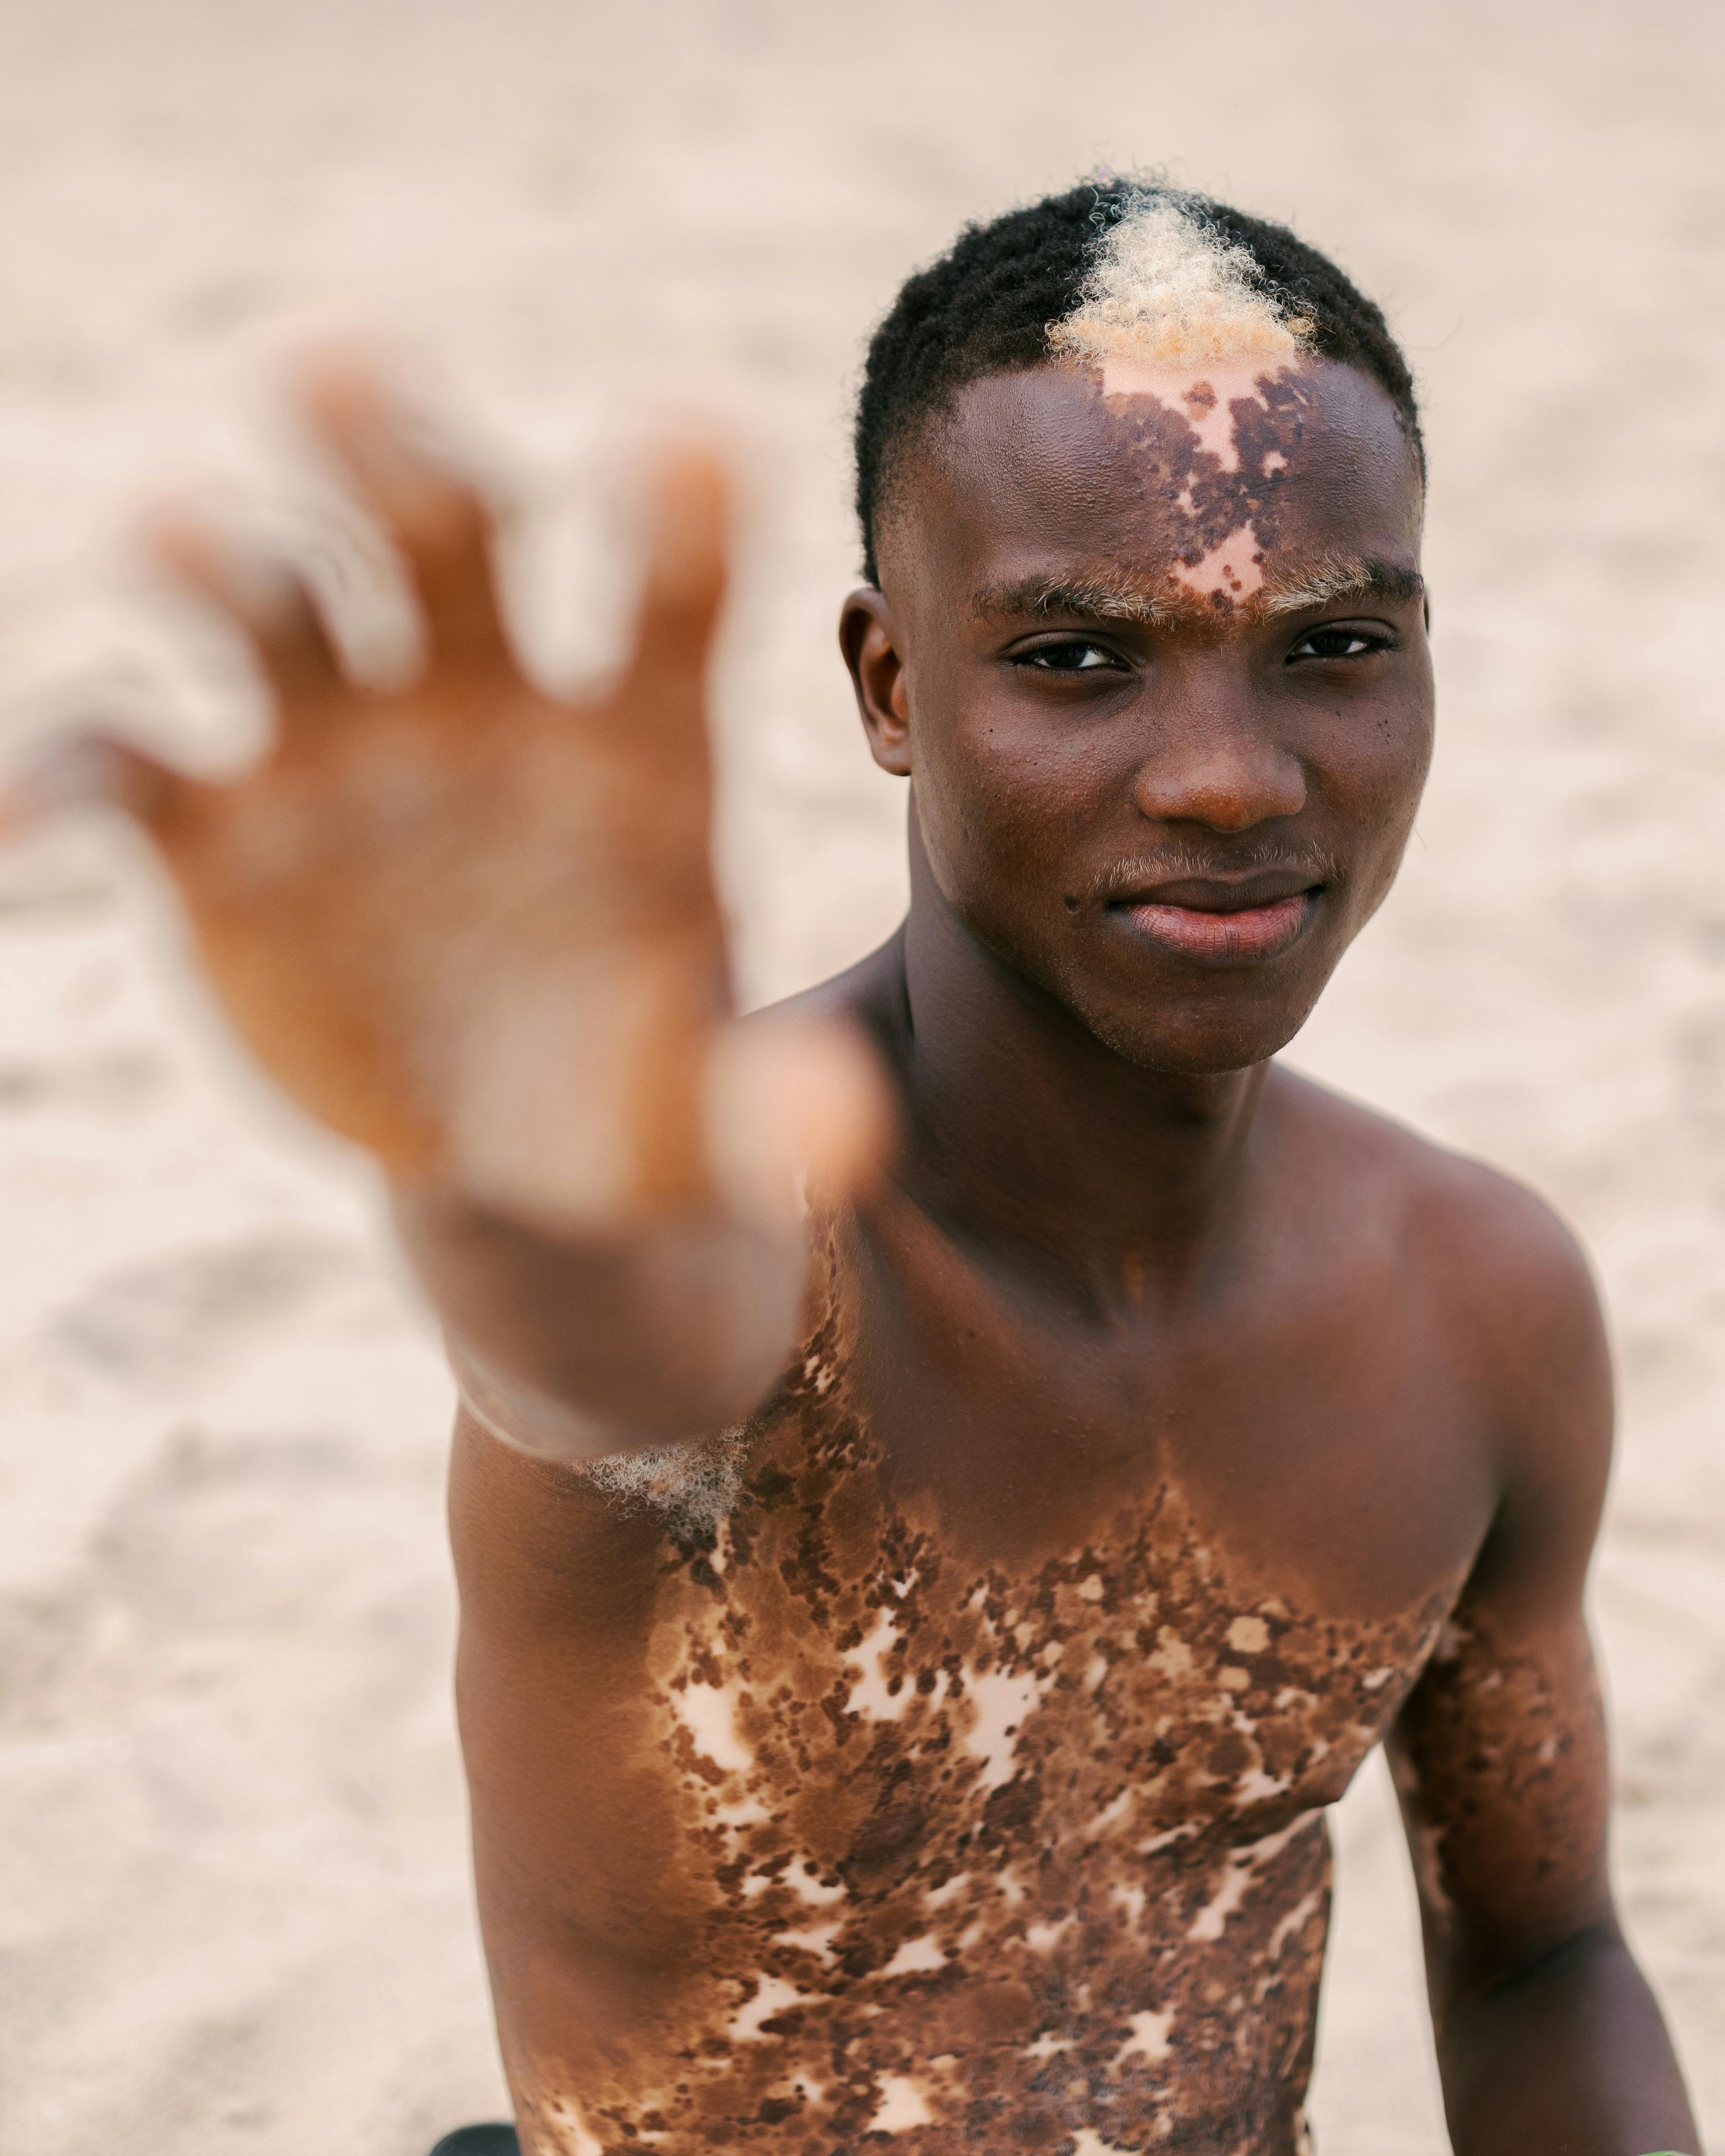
(1071, 903)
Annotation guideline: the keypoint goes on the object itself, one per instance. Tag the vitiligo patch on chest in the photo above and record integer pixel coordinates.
(1024, 1850)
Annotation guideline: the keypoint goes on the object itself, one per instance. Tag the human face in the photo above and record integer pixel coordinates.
(1150, 645)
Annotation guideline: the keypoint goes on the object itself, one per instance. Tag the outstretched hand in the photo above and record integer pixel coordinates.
(468, 926)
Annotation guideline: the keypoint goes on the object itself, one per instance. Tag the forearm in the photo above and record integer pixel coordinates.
(645, 1337)
(1569, 2058)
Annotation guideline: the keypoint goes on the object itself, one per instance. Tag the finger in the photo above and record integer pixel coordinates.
(267, 602)
(664, 683)
(796, 1102)
(93, 770)
(440, 528)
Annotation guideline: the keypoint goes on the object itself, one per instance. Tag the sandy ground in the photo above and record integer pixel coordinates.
(234, 1907)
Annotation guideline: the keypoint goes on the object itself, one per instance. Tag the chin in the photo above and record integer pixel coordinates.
(1197, 1028)
(1197, 1046)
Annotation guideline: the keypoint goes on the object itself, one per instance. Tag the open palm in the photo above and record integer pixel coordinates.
(468, 926)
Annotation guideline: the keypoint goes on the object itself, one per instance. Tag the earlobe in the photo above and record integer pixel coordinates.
(869, 637)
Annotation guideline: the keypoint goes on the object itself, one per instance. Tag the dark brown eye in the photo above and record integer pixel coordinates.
(1075, 656)
(1339, 644)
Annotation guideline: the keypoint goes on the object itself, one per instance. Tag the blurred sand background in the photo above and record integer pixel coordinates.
(233, 1906)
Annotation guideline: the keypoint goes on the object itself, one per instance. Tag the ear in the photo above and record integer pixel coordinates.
(869, 638)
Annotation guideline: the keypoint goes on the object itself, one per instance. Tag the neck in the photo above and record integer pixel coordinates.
(1029, 1135)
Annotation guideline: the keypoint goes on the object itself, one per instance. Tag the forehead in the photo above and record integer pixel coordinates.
(1209, 481)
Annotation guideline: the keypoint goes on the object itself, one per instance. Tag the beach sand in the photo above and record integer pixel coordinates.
(234, 1914)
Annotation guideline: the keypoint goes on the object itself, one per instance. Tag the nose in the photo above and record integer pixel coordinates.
(1220, 767)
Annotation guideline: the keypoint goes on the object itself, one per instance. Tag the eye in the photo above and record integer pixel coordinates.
(1072, 654)
(1336, 640)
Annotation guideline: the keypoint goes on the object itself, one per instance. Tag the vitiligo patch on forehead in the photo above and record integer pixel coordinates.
(1167, 289)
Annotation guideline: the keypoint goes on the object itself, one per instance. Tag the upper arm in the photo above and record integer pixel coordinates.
(1500, 1752)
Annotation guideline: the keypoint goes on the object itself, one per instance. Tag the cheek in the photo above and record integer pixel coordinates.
(1005, 824)
(1370, 750)
(1401, 757)
(1004, 794)
(1373, 783)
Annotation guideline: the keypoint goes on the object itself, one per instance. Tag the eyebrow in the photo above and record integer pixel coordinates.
(1360, 577)
(1123, 599)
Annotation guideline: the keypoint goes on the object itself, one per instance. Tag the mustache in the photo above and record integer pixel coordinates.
(1178, 860)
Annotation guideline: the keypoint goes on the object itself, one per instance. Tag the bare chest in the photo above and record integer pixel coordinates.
(953, 1807)
(1035, 1843)
(860, 1707)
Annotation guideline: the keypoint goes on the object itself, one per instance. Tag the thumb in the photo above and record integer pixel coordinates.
(794, 1101)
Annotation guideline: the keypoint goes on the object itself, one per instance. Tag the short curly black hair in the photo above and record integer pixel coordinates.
(986, 307)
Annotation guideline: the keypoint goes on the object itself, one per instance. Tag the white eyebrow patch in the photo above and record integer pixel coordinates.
(1166, 289)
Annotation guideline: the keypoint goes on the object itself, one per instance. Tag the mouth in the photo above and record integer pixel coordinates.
(1218, 921)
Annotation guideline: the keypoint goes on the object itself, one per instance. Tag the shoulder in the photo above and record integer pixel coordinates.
(1507, 1289)
(1482, 1241)
(870, 995)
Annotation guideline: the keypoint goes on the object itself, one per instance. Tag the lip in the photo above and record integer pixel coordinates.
(1226, 934)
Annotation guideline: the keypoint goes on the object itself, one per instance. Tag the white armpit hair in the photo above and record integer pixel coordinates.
(1167, 288)
(694, 1485)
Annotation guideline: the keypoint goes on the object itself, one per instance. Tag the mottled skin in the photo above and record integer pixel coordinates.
(1001, 1813)
(930, 1748)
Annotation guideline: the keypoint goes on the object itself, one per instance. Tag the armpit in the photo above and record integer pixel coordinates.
(694, 1484)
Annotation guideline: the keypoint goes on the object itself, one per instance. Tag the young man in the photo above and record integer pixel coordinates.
(908, 1643)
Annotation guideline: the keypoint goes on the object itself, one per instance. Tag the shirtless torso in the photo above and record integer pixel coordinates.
(954, 1739)
(907, 1649)
(954, 1753)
